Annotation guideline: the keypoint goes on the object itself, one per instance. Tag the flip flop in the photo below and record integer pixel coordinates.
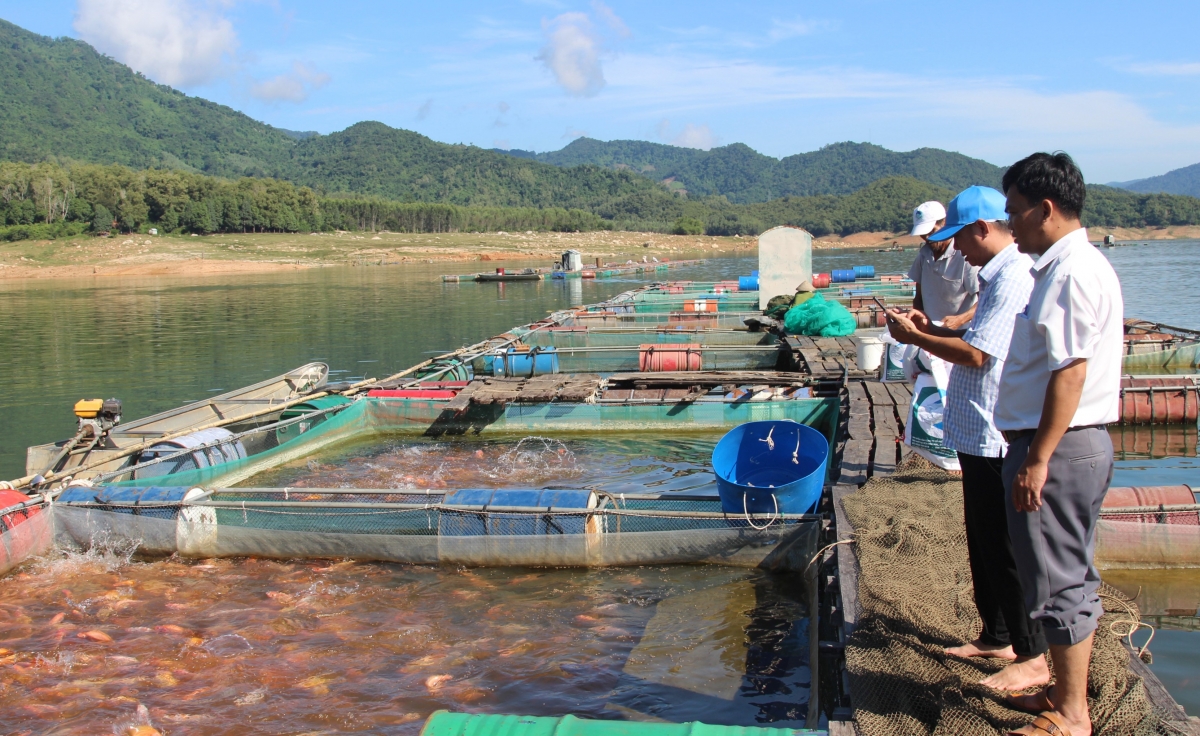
(1046, 724)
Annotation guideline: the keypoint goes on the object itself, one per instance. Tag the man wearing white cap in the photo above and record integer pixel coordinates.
(947, 286)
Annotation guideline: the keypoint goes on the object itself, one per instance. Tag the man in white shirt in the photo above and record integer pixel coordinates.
(1059, 388)
(978, 223)
(946, 284)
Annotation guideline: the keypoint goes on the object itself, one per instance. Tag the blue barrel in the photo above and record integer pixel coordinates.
(842, 275)
(748, 283)
(760, 460)
(159, 502)
(478, 520)
(526, 363)
(864, 272)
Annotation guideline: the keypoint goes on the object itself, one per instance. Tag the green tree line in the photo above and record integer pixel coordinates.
(48, 199)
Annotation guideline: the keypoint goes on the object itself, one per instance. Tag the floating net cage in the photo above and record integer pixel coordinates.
(398, 526)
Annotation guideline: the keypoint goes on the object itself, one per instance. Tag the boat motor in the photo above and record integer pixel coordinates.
(100, 415)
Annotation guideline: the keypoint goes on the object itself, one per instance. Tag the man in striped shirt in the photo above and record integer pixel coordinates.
(977, 222)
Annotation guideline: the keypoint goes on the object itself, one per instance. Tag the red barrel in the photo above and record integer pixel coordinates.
(700, 305)
(820, 280)
(1166, 400)
(1135, 496)
(588, 275)
(667, 358)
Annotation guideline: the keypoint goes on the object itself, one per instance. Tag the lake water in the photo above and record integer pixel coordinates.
(258, 633)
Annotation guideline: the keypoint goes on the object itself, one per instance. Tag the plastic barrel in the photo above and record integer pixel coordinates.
(864, 272)
(476, 520)
(761, 464)
(1135, 496)
(748, 283)
(667, 358)
(528, 363)
(842, 275)
(820, 280)
(201, 458)
(444, 723)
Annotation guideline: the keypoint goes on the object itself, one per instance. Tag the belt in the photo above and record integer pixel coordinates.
(1012, 435)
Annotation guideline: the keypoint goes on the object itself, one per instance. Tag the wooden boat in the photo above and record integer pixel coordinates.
(528, 274)
(105, 436)
(1152, 347)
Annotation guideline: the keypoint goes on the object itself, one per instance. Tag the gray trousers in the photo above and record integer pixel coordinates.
(1054, 546)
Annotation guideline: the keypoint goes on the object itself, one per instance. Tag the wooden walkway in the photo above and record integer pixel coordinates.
(870, 443)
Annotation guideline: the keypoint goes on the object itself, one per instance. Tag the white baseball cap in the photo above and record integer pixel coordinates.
(926, 218)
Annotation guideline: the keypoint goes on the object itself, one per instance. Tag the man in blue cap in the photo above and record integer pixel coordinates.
(977, 222)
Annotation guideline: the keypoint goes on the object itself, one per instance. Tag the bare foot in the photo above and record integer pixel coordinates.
(1040, 702)
(979, 649)
(1022, 674)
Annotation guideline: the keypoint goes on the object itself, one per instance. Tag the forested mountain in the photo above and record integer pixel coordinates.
(744, 175)
(61, 98)
(1179, 181)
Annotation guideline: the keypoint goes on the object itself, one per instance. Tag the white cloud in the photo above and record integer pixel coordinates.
(1166, 68)
(295, 86)
(572, 54)
(695, 136)
(784, 29)
(181, 43)
(573, 133)
(610, 19)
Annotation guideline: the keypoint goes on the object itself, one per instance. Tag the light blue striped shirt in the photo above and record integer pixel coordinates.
(1004, 287)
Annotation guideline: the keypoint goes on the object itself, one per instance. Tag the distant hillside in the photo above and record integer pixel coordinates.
(1180, 181)
(61, 98)
(742, 174)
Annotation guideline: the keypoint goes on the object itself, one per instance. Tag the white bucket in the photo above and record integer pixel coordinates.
(870, 353)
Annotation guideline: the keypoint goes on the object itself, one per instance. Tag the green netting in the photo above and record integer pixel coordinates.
(1184, 357)
(370, 416)
(819, 317)
(633, 338)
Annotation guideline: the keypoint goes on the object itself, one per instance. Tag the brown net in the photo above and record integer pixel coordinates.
(915, 599)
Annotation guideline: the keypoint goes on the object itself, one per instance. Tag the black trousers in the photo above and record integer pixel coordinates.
(998, 593)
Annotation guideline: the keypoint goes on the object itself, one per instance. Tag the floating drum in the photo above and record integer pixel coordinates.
(842, 276)
(1141, 496)
(669, 358)
(23, 532)
(700, 305)
(747, 283)
(1167, 400)
(526, 362)
(221, 451)
(473, 516)
(864, 272)
(769, 467)
(294, 430)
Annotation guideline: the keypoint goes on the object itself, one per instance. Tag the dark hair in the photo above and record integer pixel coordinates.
(1052, 176)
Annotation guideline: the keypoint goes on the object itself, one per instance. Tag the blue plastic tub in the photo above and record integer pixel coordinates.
(748, 283)
(842, 276)
(761, 464)
(864, 272)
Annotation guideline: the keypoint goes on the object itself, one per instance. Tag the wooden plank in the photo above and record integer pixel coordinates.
(856, 459)
(885, 422)
(901, 393)
(879, 393)
(847, 559)
(857, 391)
(1172, 712)
(463, 399)
(858, 427)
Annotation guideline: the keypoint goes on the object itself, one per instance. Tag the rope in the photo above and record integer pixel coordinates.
(746, 511)
(1133, 622)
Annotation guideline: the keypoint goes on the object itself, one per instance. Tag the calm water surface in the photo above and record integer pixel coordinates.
(197, 642)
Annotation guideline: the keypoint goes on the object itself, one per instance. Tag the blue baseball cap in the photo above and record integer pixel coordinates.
(971, 205)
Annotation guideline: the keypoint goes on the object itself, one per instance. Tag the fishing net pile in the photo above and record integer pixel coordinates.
(818, 317)
(915, 599)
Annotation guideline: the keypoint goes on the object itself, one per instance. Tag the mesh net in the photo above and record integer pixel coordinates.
(431, 535)
(1126, 544)
(818, 316)
(916, 599)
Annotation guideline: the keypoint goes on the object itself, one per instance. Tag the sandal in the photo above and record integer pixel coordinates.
(1047, 724)
(1044, 705)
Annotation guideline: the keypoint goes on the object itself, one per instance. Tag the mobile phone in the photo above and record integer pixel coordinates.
(883, 306)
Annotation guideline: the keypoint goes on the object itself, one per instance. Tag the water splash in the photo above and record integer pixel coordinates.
(227, 645)
(138, 724)
(537, 457)
(60, 661)
(105, 552)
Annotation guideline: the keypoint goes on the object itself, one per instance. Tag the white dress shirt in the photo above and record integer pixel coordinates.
(1075, 311)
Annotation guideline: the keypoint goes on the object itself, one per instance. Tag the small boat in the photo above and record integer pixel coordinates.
(527, 274)
(1152, 347)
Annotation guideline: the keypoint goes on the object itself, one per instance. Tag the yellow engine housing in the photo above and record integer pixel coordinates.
(88, 408)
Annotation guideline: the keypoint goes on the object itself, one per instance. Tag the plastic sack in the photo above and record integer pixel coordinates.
(924, 431)
(819, 318)
(893, 361)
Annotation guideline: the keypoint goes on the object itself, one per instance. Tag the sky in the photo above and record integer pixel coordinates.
(1116, 84)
